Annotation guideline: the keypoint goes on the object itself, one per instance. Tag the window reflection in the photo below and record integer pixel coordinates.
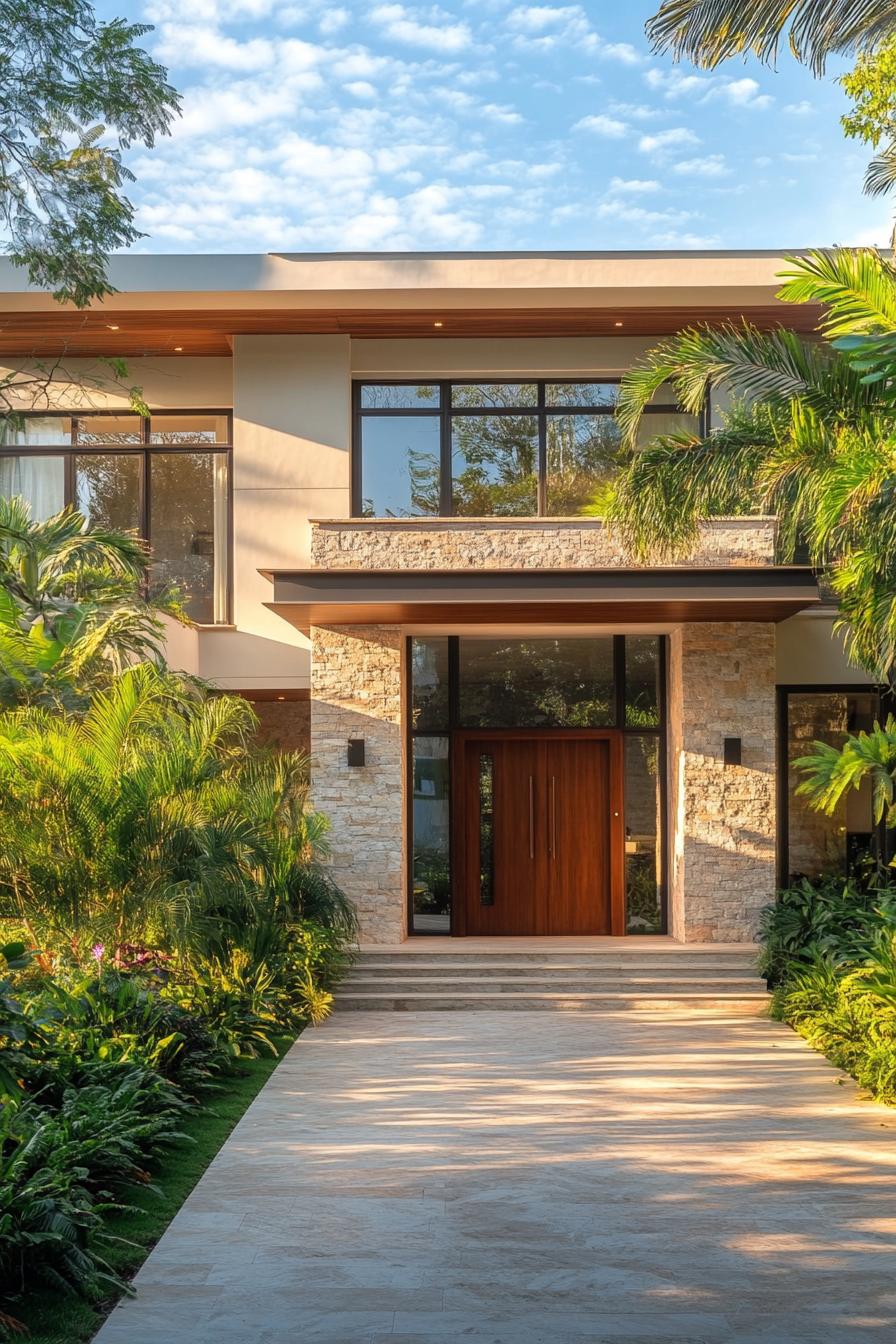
(107, 489)
(583, 454)
(642, 681)
(494, 464)
(536, 683)
(400, 460)
(188, 530)
(819, 844)
(431, 836)
(429, 683)
(643, 815)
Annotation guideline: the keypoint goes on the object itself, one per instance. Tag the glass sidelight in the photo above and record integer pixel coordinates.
(486, 828)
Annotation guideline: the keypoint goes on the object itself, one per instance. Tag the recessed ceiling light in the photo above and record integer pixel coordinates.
(178, 347)
(438, 324)
(112, 326)
(281, 697)
(617, 324)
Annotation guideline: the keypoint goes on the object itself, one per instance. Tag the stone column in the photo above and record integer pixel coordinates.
(722, 818)
(356, 692)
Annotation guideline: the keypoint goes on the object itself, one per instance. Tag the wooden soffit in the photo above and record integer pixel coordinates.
(552, 597)
(113, 331)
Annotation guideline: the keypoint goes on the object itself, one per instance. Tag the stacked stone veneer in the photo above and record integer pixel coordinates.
(534, 543)
(722, 818)
(721, 685)
(356, 680)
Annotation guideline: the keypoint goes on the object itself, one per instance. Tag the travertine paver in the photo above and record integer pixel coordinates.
(537, 1178)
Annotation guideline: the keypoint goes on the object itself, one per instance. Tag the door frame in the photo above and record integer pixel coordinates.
(614, 736)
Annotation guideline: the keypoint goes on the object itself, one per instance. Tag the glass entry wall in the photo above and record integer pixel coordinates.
(537, 684)
(493, 449)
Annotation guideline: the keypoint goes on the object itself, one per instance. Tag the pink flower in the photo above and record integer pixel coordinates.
(98, 951)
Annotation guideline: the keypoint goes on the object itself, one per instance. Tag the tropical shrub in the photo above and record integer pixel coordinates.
(840, 919)
(72, 611)
(829, 948)
(52, 1226)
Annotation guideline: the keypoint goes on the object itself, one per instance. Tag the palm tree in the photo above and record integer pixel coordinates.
(708, 32)
(71, 606)
(812, 438)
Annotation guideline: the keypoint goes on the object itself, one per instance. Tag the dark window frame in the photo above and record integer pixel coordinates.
(144, 450)
(446, 413)
(881, 843)
(453, 725)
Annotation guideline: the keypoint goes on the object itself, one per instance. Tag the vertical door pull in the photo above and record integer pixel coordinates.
(552, 837)
(531, 817)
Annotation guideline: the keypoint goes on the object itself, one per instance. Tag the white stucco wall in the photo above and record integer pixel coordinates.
(808, 652)
(291, 443)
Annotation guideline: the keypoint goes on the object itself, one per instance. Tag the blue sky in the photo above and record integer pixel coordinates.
(316, 126)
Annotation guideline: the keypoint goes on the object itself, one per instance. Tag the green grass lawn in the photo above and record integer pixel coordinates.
(53, 1318)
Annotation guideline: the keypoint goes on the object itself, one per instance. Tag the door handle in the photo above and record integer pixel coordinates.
(531, 817)
(552, 835)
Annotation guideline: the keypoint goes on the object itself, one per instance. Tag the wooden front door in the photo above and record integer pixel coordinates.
(538, 833)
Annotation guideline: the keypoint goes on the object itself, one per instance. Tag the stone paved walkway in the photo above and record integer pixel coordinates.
(535, 1178)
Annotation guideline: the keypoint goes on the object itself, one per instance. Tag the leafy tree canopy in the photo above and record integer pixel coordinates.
(74, 93)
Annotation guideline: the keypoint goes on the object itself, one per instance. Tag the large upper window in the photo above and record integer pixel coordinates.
(498, 449)
(167, 478)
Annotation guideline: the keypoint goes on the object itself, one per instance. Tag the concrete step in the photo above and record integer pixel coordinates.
(540, 982)
(576, 960)
(711, 1003)
(514, 971)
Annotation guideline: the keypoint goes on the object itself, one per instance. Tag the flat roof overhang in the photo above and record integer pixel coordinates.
(570, 596)
(197, 304)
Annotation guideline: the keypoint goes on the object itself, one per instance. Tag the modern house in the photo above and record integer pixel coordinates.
(376, 481)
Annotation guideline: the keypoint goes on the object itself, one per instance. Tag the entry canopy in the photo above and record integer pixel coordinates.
(309, 597)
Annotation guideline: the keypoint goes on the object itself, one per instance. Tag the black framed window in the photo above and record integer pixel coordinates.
(457, 682)
(498, 449)
(165, 477)
(810, 843)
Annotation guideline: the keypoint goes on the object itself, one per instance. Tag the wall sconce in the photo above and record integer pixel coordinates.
(731, 751)
(355, 751)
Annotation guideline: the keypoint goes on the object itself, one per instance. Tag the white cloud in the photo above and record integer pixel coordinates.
(497, 112)
(712, 165)
(548, 27)
(637, 214)
(674, 85)
(685, 241)
(636, 185)
(333, 21)
(675, 135)
(402, 25)
(742, 93)
(360, 88)
(801, 109)
(636, 111)
(608, 127)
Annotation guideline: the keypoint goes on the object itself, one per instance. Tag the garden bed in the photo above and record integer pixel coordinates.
(57, 1318)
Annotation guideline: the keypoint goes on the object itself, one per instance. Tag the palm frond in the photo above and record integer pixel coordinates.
(857, 285)
(708, 32)
(677, 481)
(776, 367)
(880, 175)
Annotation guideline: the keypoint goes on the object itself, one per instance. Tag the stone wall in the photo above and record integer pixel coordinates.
(519, 543)
(722, 818)
(356, 692)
